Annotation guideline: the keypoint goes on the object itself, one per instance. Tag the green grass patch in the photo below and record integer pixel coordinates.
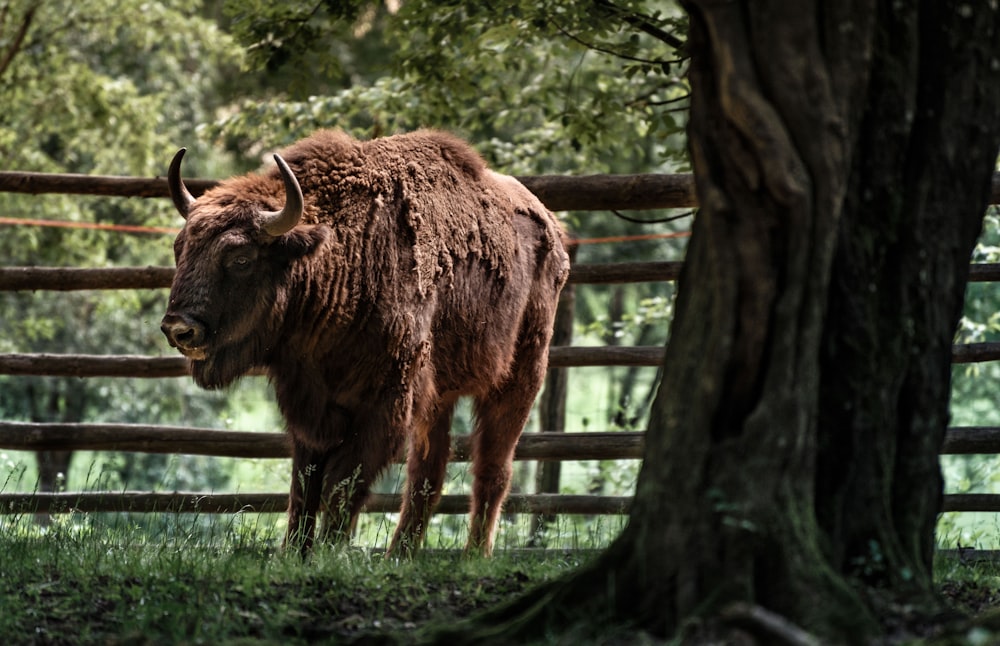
(85, 583)
(970, 581)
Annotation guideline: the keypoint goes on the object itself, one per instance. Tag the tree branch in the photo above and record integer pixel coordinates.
(647, 100)
(15, 46)
(669, 218)
(600, 49)
(300, 24)
(643, 24)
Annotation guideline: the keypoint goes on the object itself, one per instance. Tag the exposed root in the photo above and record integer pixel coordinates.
(771, 627)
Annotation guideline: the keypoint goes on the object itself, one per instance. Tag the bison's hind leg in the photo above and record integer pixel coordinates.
(426, 463)
(500, 417)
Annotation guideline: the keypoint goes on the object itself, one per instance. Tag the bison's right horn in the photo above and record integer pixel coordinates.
(280, 222)
(178, 192)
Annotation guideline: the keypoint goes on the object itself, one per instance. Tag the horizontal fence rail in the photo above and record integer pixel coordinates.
(201, 503)
(66, 279)
(557, 192)
(25, 436)
(72, 278)
(241, 444)
(98, 365)
(590, 445)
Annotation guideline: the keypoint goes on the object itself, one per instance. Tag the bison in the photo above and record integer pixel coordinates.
(375, 283)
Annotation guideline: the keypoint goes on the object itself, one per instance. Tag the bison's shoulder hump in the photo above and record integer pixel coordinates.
(326, 151)
(430, 151)
(459, 154)
(327, 145)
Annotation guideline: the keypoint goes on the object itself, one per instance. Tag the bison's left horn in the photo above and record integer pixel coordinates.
(178, 192)
(280, 222)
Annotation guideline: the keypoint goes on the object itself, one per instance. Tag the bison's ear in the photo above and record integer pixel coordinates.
(303, 239)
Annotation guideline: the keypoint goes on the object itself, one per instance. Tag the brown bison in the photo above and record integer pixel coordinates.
(375, 283)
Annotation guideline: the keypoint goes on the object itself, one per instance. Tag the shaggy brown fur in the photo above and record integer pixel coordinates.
(415, 276)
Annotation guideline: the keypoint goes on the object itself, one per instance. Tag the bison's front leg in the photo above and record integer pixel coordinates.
(346, 484)
(375, 439)
(308, 466)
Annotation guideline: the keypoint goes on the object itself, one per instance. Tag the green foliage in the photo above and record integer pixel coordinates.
(539, 87)
(103, 87)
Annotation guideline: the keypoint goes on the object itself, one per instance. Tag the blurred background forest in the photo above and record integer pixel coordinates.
(116, 86)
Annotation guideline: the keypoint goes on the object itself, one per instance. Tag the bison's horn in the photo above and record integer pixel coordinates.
(178, 192)
(280, 222)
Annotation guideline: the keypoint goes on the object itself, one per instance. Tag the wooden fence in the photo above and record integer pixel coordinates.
(557, 192)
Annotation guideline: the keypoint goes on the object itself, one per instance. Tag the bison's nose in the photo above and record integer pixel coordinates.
(184, 333)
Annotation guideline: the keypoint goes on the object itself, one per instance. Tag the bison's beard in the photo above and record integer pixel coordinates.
(220, 368)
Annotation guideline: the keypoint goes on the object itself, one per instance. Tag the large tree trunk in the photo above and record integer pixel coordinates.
(751, 500)
(727, 514)
(920, 181)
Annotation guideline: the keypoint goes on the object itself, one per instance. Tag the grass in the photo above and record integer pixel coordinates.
(117, 582)
(176, 579)
(972, 585)
(190, 578)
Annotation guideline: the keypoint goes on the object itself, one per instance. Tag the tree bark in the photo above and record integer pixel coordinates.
(920, 182)
(728, 511)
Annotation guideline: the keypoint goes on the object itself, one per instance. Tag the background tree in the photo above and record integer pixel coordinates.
(107, 88)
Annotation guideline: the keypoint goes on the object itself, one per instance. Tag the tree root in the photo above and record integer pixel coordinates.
(768, 625)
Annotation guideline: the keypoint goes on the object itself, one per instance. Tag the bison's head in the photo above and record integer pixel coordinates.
(234, 258)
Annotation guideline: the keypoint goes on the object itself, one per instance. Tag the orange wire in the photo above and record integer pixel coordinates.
(127, 228)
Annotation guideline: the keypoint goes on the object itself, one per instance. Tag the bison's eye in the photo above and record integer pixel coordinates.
(241, 261)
